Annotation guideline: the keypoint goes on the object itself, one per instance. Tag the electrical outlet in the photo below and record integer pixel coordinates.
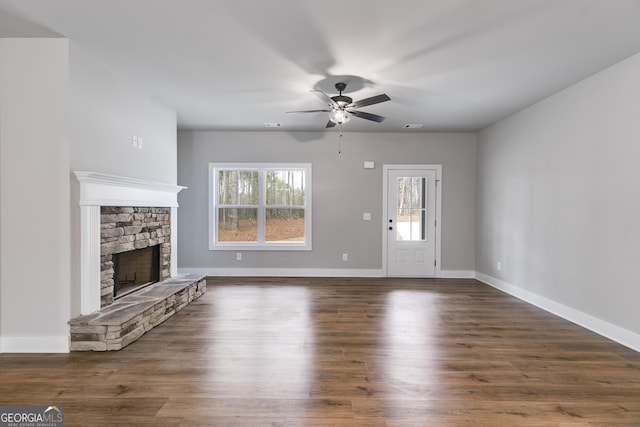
(345, 257)
(239, 256)
(499, 266)
(140, 142)
(134, 140)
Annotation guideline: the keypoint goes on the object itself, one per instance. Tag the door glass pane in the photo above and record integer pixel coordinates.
(237, 187)
(285, 225)
(411, 208)
(285, 188)
(237, 225)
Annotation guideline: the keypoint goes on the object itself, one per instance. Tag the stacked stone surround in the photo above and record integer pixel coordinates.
(125, 229)
(127, 319)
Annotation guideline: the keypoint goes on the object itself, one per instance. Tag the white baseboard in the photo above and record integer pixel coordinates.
(284, 272)
(457, 274)
(51, 344)
(311, 272)
(601, 327)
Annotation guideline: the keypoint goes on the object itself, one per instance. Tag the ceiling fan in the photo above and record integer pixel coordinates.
(342, 107)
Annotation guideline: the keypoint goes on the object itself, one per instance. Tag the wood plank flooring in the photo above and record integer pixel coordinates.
(342, 352)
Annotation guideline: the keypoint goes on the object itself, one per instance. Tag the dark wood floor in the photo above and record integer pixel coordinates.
(342, 352)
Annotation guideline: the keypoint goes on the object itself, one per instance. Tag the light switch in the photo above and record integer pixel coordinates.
(369, 165)
(366, 216)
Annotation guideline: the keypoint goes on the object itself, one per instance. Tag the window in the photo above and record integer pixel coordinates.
(412, 211)
(260, 206)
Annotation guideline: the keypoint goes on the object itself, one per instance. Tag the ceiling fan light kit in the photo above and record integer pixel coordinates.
(339, 116)
(342, 107)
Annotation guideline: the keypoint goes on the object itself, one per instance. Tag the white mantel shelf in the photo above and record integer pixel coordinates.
(101, 189)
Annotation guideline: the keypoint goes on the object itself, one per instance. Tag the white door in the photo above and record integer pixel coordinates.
(411, 196)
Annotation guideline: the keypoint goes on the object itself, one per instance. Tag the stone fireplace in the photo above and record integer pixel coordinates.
(129, 282)
(135, 249)
(119, 214)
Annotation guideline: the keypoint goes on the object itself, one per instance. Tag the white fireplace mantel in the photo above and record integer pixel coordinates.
(99, 189)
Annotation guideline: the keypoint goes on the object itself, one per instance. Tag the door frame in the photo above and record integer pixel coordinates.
(438, 209)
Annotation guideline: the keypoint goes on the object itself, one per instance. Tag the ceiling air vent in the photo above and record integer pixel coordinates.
(273, 125)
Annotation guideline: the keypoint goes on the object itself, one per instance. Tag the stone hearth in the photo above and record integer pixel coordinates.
(128, 318)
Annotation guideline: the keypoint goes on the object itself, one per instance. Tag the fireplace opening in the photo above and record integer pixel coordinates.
(135, 269)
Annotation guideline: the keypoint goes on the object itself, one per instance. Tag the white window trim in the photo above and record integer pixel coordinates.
(214, 245)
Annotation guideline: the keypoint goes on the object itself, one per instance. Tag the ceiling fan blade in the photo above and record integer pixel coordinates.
(310, 111)
(367, 116)
(326, 98)
(330, 124)
(369, 101)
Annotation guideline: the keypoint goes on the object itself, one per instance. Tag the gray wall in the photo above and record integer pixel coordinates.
(558, 198)
(105, 110)
(60, 110)
(34, 195)
(342, 191)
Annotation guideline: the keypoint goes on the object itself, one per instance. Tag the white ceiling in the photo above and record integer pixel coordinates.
(451, 65)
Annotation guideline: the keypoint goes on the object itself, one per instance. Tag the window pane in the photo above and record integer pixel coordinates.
(411, 211)
(237, 187)
(285, 225)
(285, 188)
(237, 225)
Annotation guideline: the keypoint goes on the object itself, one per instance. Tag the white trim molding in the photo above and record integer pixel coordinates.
(284, 272)
(457, 274)
(312, 272)
(47, 344)
(89, 259)
(608, 330)
(99, 189)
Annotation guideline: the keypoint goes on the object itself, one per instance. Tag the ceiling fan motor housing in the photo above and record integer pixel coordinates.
(341, 100)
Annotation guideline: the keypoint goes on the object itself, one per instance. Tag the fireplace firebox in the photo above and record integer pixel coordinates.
(133, 270)
(130, 229)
